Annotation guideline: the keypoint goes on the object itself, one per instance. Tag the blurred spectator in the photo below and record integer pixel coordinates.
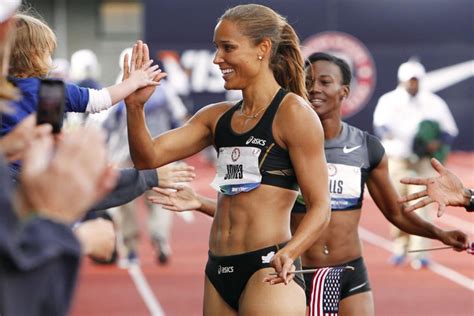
(85, 69)
(39, 253)
(414, 125)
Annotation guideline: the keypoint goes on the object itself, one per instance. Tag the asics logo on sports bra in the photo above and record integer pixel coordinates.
(255, 141)
(268, 257)
(222, 269)
(347, 150)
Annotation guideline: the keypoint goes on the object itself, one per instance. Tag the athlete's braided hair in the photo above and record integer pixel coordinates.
(259, 22)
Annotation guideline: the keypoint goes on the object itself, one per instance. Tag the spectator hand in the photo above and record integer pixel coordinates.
(141, 58)
(14, 144)
(97, 238)
(64, 184)
(446, 190)
(174, 173)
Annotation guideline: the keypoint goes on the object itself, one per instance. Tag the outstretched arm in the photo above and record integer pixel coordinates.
(173, 145)
(445, 189)
(133, 183)
(139, 77)
(385, 196)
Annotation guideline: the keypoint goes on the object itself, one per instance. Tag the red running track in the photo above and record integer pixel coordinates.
(178, 286)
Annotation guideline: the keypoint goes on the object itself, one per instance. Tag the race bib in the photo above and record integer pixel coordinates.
(237, 170)
(344, 186)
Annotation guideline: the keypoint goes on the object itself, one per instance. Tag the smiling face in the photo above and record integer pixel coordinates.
(236, 56)
(325, 88)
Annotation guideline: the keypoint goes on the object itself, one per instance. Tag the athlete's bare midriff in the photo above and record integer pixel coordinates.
(339, 242)
(252, 220)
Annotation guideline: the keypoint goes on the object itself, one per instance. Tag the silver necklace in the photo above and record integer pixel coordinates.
(253, 116)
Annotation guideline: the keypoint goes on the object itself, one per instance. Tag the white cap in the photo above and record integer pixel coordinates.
(8, 8)
(410, 69)
(84, 64)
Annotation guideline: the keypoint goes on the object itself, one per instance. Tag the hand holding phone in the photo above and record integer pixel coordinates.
(51, 104)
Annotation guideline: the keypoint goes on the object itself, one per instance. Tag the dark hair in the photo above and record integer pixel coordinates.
(259, 22)
(342, 64)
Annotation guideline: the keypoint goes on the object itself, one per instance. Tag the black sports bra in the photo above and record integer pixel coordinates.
(274, 162)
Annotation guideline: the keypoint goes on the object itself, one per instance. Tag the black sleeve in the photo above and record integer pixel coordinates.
(376, 151)
(131, 184)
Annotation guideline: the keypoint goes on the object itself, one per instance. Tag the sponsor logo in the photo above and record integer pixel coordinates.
(222, 270)
(235, 154)
(445, 77)
(358, 57)
(348, 150)
(255, 141)
(268, 257)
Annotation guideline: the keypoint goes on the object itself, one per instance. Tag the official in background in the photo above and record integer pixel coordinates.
(414, 125)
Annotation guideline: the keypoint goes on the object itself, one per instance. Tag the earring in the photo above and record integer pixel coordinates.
(260, 57)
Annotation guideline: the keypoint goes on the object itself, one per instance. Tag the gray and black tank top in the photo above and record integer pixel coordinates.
(350, 159)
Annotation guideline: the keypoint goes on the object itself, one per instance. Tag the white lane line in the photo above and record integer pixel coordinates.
(437, 268)
(146, 293)
(456, 222)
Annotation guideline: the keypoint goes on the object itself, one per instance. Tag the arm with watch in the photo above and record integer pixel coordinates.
(446, 189)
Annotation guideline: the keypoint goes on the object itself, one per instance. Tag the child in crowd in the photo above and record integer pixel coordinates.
(31, 60)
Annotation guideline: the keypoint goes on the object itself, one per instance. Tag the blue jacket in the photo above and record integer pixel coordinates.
(77, 99)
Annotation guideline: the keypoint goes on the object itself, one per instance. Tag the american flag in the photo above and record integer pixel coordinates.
(326, 291)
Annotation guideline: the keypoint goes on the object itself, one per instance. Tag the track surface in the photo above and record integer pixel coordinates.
(447, 288)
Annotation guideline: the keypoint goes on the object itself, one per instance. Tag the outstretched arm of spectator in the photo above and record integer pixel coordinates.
(133, 183)
(445, 189)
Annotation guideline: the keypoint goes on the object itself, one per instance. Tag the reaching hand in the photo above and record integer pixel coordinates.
(14, 144)
(145, 75)
(183, 199)
(63, 183)
(174, 173)
(446, 190)
(141, 58)
(97, 238)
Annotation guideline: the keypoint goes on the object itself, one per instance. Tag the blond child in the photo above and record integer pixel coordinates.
(31, 60)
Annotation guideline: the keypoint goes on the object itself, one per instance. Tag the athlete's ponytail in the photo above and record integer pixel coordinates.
(287, 62)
